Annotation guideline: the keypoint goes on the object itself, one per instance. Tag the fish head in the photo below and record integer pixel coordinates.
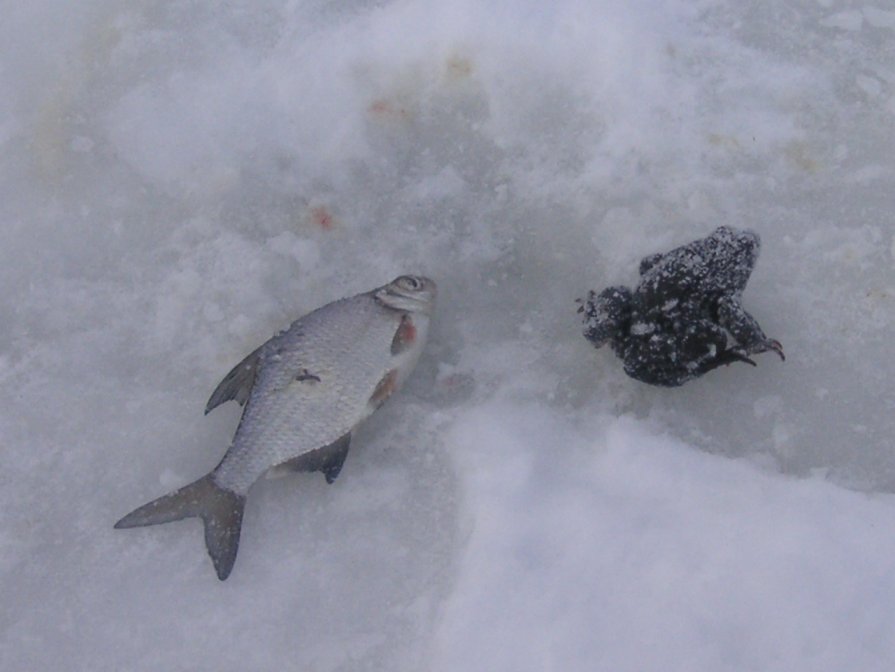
(408, 294)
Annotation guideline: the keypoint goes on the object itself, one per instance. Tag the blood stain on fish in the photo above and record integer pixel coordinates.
(404, 336)
(384, 388)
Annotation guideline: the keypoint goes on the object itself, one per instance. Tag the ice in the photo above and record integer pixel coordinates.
(180, 180)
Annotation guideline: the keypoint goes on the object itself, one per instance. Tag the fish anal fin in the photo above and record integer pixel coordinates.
(328, 460)
(237, 384)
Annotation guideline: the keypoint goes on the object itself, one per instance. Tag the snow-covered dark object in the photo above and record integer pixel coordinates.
(685, 317)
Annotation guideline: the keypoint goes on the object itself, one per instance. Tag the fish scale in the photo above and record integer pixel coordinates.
(296, 417)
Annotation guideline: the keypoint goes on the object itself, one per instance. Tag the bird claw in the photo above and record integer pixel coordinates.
(585, 304)
(777, 347)
(739, 356)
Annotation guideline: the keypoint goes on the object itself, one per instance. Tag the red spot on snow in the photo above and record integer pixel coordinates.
(322, 217)
(380, 107)
(384, 109)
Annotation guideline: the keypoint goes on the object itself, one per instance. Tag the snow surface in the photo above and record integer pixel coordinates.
(180, 180)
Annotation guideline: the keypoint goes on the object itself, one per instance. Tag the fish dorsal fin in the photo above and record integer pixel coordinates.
(237, 384)
(328, 459)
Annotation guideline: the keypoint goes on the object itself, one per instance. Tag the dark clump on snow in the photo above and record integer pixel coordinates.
(685, 317)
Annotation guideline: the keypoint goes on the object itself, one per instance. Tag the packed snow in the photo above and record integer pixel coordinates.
(180, 180)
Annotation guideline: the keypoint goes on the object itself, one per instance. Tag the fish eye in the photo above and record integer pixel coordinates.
(410, 282)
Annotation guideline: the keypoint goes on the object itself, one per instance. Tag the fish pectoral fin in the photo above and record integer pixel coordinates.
(237, 384)
(328, 459)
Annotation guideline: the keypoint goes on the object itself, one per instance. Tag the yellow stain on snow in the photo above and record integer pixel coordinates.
(458, 68)
(798, 153)
(724, 141)
(51, 134)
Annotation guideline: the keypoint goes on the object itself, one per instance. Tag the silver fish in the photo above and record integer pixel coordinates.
(304, 391)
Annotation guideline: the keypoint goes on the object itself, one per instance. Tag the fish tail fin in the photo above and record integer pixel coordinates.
(220, 510)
